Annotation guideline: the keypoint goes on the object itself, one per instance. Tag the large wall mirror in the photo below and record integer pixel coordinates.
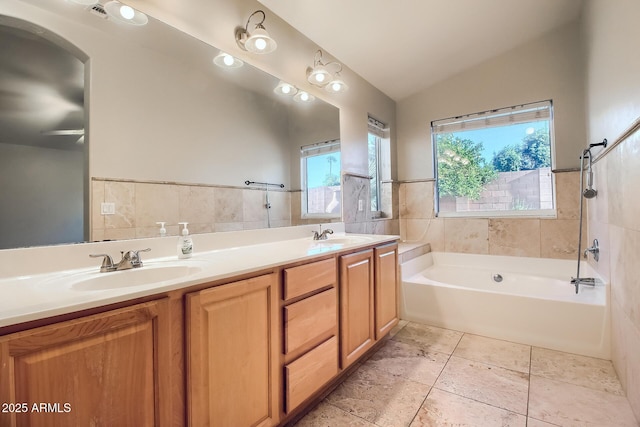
(141, 122)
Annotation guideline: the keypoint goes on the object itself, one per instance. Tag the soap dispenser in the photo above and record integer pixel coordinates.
(163, 231)
(185, 243)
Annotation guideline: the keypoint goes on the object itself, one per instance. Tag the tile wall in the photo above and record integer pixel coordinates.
(139, 205)
(355, 188)
(543, 238)
(614, 219)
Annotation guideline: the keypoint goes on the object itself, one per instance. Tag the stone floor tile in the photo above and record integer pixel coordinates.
(564, 404)
(409, 361)
(429, 338)
(500, 353)
(590, 372)
(379, 397)
(493, 385)
(447, 409)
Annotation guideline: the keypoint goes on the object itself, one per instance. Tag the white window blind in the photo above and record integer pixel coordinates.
(320, 148)
(376, 127)
(501, 117)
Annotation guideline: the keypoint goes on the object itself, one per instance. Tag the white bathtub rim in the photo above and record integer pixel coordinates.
(412, 271)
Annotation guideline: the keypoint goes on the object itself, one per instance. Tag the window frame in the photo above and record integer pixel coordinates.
(486, 115)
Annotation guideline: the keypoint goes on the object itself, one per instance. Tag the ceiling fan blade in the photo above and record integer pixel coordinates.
(64, 132)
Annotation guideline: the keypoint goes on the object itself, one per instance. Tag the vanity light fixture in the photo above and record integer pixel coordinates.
(225, 60)
(303, 96)
(125, 13)
(286, 89)
(319, 75)
(258, 41)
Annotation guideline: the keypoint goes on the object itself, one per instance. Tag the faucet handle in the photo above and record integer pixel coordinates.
(107, 262)
(135, 257)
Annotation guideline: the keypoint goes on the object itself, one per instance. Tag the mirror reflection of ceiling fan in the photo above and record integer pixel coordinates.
(80, 132)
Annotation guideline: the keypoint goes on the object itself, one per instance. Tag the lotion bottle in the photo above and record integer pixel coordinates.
(185, 243)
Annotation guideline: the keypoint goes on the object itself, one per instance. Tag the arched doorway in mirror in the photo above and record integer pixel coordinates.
(43, 146)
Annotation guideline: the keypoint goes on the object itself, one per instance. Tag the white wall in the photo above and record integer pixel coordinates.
(549, 67)
(214, 21)
(153, 117)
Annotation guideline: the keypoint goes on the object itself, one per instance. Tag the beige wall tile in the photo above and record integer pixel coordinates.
(119, 234)
(253, 206)
(97, 235)
(600, 231)
(156, 202)
(416, 200)
(559, 238)
(123, 194)
(280, 206)
(228, 226)
(568, 195)
(424, 230)
(466, 235)
(615, 197)
(598, 207)
(619, 337)
(97, 197)
(228, 205)
(514, 237)
(196, 205)
(630, 174)
(625, 271)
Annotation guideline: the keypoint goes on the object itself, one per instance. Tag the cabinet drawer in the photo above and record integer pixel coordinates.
(309, 277)
(308, 319)
(307, 374)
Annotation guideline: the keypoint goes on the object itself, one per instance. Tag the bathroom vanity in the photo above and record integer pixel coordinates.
(250, 335)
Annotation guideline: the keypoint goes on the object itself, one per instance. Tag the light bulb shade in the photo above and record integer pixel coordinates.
(259, 41)
(303, 96)
(285, 88)
(337, 85)
(225, 60)
(123, 13)
(319, 76)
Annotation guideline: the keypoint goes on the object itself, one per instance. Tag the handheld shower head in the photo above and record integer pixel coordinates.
(589, 192)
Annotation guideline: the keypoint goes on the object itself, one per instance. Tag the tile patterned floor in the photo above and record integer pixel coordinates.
(428, 376)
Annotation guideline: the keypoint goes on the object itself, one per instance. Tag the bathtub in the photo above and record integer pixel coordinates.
(534, 303)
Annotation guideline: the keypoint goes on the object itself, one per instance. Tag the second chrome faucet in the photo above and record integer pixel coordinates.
(323, 233)
(130, 259)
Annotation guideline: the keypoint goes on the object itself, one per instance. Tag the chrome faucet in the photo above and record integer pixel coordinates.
(323, 233)
(594, 249)
(130, 259)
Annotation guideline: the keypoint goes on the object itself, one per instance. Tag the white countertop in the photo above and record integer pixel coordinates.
(50, 292)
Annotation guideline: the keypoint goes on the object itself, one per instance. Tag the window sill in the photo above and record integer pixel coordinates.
(540, 214)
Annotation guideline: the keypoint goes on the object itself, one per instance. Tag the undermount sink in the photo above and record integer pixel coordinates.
(146, 275)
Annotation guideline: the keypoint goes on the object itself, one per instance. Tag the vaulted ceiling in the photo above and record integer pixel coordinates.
(405, 46)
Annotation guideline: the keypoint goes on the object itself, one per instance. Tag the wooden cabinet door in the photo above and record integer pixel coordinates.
(232, 354)
(356, 305)
(109, 369)
(386, 280)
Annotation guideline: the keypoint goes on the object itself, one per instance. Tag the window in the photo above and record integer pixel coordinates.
(320, 172)
(376, 133)
(495, 163)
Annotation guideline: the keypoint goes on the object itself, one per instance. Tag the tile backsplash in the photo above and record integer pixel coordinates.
(140, 205)
(530, 237)
(209, 208)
